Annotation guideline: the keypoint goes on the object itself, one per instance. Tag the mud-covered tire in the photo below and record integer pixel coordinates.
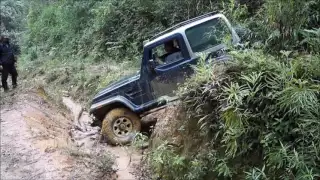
(110, 125)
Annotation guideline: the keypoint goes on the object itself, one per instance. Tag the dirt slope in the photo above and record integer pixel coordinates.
(37, 141)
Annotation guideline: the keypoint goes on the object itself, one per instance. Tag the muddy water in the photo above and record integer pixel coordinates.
(34, 135)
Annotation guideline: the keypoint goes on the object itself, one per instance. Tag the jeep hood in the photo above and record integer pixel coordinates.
(118, 84)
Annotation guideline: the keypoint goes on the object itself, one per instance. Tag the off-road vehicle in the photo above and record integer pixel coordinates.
(165, 63)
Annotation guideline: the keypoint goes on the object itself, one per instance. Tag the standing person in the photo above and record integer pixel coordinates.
(7, 60)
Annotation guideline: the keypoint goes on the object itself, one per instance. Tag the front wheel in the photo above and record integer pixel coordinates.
(120, 125)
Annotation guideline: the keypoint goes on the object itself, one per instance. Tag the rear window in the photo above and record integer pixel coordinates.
(208, 34)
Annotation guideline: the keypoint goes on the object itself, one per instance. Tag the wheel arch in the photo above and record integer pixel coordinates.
(99, 110)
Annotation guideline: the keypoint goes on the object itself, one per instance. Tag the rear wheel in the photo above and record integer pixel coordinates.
(120, 125)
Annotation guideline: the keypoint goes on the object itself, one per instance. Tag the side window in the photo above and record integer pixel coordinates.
(208, 35)
(168, 52)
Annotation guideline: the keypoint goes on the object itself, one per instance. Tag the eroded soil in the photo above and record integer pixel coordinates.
(39, 138)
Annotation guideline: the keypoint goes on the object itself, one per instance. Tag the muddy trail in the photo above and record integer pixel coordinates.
(40, 140)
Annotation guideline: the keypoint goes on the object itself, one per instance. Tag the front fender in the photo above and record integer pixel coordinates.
(107, 104)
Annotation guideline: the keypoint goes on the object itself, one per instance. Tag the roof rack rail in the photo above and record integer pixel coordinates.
(184, 23)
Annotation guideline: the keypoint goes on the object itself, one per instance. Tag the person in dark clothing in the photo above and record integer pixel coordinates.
(170, 51)
(7, 61)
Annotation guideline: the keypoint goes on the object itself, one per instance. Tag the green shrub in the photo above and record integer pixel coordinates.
(280, 25)
(260, 114)
(12, 22)
(167, 163)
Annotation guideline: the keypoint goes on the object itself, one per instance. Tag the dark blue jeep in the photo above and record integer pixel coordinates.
(165, 64)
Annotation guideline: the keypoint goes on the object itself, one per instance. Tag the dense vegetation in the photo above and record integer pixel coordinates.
(78, 45)
(110, 29)
(12, 20)
(103, 29)
(257, 117)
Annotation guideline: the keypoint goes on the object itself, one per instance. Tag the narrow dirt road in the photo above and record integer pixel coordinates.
(29, 139)
(38, 140)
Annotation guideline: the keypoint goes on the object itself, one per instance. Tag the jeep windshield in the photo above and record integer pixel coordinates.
(208, 35)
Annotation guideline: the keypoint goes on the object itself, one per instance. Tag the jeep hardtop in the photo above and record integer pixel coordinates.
(165, 63)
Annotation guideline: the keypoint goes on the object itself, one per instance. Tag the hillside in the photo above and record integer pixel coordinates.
(256, 116)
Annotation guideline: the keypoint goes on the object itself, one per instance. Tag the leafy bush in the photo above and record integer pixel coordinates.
(12, 20)
(279, 25)
(261, 116)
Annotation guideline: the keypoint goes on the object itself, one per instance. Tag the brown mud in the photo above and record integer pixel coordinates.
(38, 139)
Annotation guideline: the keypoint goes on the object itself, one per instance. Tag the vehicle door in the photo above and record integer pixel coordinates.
(167, 70)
